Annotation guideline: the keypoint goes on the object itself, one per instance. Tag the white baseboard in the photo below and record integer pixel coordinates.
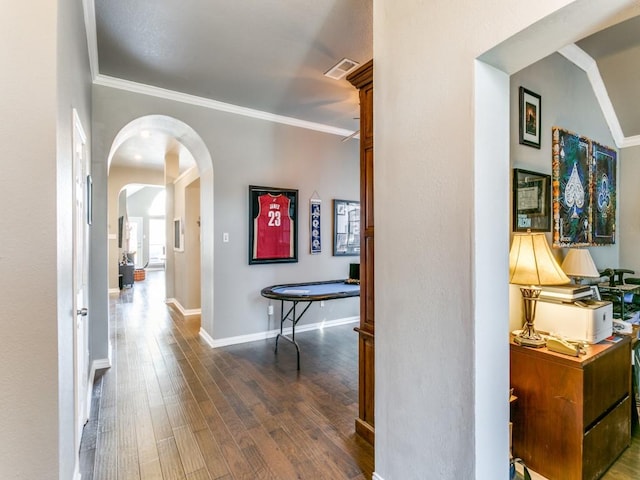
(76, 470)
(207, 338)
(376, 477)
(183, 311)
(114, 291)
(253, 337)
(95, 365)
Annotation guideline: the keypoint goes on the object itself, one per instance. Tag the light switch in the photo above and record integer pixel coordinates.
(225, 237)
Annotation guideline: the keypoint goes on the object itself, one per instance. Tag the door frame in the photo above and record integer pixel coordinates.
(81, 218)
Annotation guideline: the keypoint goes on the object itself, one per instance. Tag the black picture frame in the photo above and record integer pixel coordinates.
(531, 201)
(530, 118)
(273, 225)
(346, 227)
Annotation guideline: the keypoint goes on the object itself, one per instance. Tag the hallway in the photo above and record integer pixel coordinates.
(173, 408)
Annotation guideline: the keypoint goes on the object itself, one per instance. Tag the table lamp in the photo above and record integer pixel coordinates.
(531, 264)
(579, 264)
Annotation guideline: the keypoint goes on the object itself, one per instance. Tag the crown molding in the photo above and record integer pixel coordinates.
(89, 9)
(584, 61)
(172, 95)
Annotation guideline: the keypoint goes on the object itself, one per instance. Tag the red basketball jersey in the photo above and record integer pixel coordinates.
(273, 228)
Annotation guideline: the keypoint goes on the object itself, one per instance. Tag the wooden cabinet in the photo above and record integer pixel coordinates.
(362, 79)
(572, 417)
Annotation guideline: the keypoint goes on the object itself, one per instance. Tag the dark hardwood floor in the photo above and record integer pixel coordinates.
(627, 467)
(173, 408)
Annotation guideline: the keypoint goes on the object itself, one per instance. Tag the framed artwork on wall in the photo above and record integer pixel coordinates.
(584, 191)
(178, 235)
(346, 227)
(603, 187)
(315, 224)
(273, 225)
(531, 201)
(571, 192)
(530, 118)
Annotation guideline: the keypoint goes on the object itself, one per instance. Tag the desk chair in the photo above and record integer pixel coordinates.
(621, 291)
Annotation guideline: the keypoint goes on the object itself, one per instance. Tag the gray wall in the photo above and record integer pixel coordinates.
(245, 152)
(44, 76)
(568, 101)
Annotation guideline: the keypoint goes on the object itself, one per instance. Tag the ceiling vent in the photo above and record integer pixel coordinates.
(342, 68)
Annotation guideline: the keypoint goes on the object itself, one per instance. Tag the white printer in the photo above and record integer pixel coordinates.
(585, 319)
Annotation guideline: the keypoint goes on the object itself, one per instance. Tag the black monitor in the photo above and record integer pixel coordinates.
(354, 271)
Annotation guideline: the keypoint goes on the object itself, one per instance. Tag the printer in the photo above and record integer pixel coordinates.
(586, 319)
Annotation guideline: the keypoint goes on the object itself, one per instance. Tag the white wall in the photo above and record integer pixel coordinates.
(138, 206)
(29, 376)
(432, 419)
(44, 76)
(629, 202)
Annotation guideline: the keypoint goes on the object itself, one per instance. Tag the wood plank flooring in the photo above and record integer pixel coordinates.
(173, 408)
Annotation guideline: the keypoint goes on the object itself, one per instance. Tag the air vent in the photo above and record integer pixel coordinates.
(342, 68)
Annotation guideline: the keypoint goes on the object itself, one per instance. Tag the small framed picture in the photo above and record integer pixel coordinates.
(346, 227)
(531, 201)
(178, 235)
(530, 118)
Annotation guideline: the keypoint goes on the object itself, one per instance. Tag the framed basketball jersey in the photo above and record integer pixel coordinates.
(272, 225)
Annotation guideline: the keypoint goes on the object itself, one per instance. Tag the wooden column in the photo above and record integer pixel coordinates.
(362, 79)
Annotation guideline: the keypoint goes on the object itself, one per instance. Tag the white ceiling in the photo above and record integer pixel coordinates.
(266, 55)
(270, 56)
(616, 52)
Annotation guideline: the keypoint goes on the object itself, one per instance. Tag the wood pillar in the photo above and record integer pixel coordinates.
(362, 79)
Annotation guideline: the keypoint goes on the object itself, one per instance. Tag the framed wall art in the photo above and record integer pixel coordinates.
(273, 225)
(530, 118)
(315, 208)
(603, 187)
(346, 227)
(571, 166)
(531, 201)
(178, 235)
(584, 191)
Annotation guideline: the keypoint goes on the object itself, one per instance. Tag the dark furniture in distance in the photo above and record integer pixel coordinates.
(126, 270)
(362, 79)
(573, 414)
(305, 293)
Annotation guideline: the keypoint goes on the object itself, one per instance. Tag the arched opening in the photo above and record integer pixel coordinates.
(188, 189)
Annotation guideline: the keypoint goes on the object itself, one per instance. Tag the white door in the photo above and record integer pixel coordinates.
(82, 197)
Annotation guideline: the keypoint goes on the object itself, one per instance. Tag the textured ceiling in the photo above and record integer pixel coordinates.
(271, 56)
(267, 55)
(616, 51)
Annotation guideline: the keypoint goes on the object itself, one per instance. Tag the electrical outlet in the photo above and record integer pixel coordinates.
(270, 310)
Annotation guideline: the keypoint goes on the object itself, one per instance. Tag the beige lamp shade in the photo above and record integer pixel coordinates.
(578, 263)
(532, 263)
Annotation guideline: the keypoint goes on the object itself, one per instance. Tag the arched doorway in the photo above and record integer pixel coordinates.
(184, 141)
